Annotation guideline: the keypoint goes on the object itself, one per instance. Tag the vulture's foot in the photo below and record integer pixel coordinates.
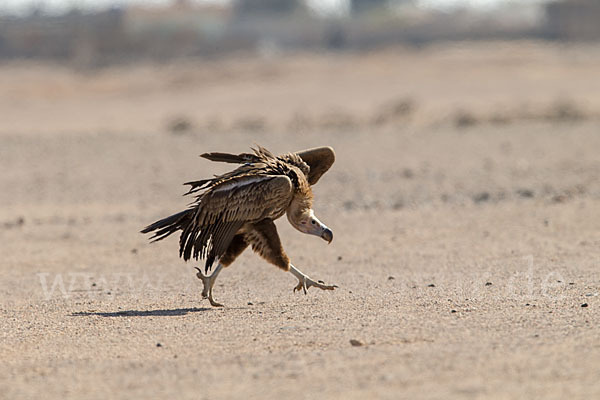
(209, 282)
(304, 282)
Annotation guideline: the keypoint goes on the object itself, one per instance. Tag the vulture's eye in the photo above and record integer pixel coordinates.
(313, 222)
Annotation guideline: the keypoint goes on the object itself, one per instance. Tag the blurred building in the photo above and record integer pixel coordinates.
(268, 7)
(61, 36)
(120, 34)
(574, 19)
(366, 6)
(203, 19)
(178, 30)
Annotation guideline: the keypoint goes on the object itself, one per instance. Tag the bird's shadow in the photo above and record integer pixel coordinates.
(141, 313)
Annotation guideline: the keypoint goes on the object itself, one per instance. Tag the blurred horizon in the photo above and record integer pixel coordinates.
(95, 34)
(20, 8)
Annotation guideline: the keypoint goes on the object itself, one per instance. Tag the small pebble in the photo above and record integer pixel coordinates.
(356, 343)
(391, 278)
(488, 284)
(250, 303)
(431, 285)
(481, 197)
(526, 193)
(452, 311)
(339, 258)
(584, 305)
(158, 345)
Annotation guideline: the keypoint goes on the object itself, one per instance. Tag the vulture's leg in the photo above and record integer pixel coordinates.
(236, 247)
(265, 241)
(209, 282)
(319, 161)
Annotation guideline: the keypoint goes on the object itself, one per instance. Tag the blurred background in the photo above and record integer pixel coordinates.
(97, 33)
(158, 82)
(427, 101)
(227, 64)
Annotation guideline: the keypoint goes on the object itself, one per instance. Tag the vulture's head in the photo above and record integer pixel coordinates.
(306, 222)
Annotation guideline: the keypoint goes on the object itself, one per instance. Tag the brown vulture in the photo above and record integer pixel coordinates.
(237, 209)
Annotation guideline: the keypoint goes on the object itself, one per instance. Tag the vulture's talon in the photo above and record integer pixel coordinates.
(305, 283)
(301, 286)
(214, 303)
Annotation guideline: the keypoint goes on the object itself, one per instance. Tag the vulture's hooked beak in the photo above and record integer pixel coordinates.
(327, 235)
(320, 229)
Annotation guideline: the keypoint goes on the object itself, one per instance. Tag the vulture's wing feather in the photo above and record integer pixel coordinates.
(319, 160)
(230, 158)
(224, 208)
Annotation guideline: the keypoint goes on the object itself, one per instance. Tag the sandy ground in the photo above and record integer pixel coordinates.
(465, 203)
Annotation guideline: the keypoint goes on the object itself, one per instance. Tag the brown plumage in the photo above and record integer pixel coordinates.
(237, 209)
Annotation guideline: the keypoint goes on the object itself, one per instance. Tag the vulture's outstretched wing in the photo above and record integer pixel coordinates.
(319, 160)
(222, 210)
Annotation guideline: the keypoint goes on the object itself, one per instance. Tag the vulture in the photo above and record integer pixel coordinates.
(235, 210)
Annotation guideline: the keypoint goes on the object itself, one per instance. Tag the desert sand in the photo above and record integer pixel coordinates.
(465, 205)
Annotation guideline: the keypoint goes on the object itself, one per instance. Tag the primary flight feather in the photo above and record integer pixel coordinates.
(237, 209)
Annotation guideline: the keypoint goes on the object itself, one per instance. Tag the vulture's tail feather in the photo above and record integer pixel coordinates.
(169, 225)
